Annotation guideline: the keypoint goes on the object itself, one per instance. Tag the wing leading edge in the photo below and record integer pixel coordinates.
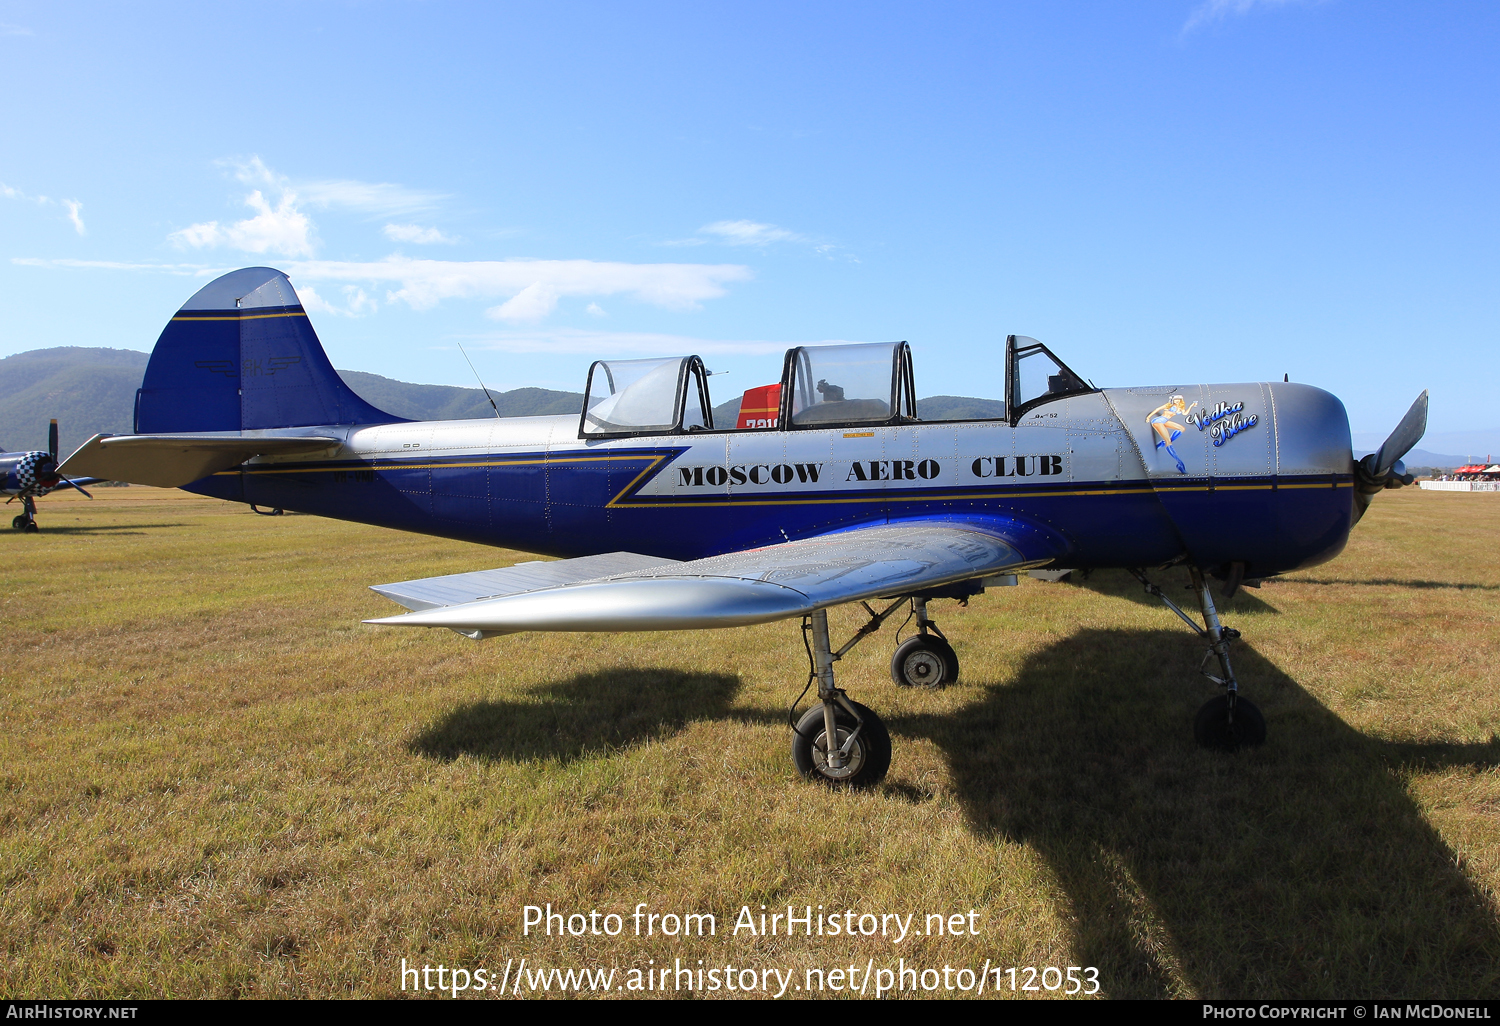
(738, 588)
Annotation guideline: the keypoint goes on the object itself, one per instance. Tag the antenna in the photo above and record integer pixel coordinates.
(481, 381)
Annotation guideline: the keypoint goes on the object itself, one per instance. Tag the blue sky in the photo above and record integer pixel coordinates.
(1168, 191)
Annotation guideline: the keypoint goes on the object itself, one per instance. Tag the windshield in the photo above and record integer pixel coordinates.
(1037, 375)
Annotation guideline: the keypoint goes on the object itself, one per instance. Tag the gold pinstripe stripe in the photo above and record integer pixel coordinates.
(239, 317)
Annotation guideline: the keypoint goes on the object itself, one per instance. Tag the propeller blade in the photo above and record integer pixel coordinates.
(1407, 434)
(52, 438)
(79, 487)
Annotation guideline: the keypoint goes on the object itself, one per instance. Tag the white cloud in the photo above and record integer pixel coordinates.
(199, 270)
(357, 302)
(282, 230)
(415, 233)
(10, 192)
(74, 206)
(1217, 10)
(625, 344)
(381, 198)
(531, 287)
(532, 303)
(748, 233)
(7, 29)
(425, 283)
(73, 209)
(595, 310)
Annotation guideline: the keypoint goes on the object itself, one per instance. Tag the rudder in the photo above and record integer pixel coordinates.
(241, 355)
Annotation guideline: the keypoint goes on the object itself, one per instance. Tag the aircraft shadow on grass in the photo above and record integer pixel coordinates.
(1391, 582)
(584, 716)
(1299, 869)
(1119, 584)
(114, 530)
(1303, 868)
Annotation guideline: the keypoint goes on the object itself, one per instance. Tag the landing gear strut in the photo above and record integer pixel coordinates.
(838, 741)
(1229, 721)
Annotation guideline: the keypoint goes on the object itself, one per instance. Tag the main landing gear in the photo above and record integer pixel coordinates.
(1229, 721)
(26, 521)
(838, 741)
(859, 753)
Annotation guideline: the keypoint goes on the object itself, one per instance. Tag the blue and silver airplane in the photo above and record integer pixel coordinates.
(664, 520)
(30, 475)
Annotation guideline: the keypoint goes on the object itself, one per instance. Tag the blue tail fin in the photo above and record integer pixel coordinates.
(239, 356)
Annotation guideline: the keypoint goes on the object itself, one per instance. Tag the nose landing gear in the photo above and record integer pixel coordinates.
(1229, 721)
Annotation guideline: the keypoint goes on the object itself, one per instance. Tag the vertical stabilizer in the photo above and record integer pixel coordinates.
(241, 355)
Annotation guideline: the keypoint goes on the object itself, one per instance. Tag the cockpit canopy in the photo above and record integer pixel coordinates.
(646, 397)
(865, 383)
(850, 385)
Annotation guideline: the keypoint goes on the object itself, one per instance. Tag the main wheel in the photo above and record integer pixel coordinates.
(869, 759)
(31, 527)
(924, 661)
(19, 523)
(1212, 729)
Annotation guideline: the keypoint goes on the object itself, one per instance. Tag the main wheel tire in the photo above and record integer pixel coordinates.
(19, 523)
(869, 759)
(31, 527)
(1212, 729)
(925, 661)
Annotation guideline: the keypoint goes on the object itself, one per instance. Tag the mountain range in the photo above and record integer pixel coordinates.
(91, 391)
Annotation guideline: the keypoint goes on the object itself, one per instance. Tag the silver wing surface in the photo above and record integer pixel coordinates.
(732, 590)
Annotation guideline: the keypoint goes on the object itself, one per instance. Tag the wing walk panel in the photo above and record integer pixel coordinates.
(754, 586)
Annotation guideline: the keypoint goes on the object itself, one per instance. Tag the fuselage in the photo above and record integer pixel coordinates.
(28, 474)
(1257, 473)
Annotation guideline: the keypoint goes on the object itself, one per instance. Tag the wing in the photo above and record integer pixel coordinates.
(170, 461)
(732, 590)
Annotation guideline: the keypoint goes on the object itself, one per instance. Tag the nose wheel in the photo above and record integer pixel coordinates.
(1229, 722)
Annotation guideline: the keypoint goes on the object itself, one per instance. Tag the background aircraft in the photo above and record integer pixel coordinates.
(30, 475)
(667, 521)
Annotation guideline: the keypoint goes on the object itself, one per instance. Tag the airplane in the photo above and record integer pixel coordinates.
(30, 475)
(663, 520)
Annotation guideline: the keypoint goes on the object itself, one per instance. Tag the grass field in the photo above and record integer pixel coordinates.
(217, 782)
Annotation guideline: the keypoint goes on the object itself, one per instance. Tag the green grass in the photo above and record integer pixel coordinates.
(218, 782)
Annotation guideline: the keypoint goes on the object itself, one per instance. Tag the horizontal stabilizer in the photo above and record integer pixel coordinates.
(754, 586)
(454, 589)
(173, 460)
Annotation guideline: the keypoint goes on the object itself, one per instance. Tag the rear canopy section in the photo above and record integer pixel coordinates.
(241, 355)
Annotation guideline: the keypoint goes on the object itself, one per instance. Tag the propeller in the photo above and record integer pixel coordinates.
(52, 439)
(1383, 468)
